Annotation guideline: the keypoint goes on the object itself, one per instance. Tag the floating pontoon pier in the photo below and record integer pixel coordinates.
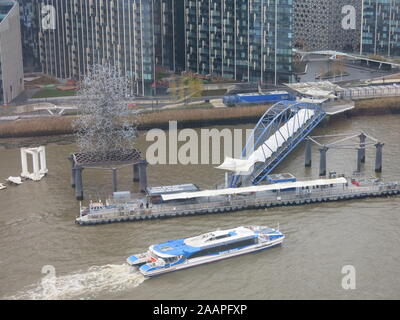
(237, 199)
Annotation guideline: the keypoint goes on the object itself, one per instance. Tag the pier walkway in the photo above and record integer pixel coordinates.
(278, 133)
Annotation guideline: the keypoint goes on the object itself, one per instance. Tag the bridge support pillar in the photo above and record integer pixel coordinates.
(136, 172)
(363, 137)
(378, 159)
(322, 163)
(114, 180)
(360, 154)
(143, 175)
(72, 172)
(308, 161)
(78, 183)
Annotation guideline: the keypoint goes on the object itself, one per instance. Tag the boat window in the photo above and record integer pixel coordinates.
(166, 248)
(171, 260)
(219, 237)
(222, 248)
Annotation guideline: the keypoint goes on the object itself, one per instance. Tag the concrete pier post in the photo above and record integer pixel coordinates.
(73, 176)
(363, 138)
(136, 172)
(70, 158)
(24, 163)
(114, 180)
(360, 155)
(378, 160)
(43, 162)
(322, 163)
(308, 161)
(78, 183)
(143, 175)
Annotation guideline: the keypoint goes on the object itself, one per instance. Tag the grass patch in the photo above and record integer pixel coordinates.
(53, 93)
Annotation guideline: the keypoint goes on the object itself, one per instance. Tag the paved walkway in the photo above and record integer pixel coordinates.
(217, 103)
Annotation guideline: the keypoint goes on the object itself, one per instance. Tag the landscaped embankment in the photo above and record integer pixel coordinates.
(192, 117)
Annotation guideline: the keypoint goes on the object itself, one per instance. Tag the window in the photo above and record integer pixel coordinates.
(223, 248)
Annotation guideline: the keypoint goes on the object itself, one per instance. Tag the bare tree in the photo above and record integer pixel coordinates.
(105, 121)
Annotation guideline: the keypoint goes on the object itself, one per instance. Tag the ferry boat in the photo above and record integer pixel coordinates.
(190, 252)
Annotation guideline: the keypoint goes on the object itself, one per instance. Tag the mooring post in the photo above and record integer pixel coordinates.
(322, 163)
(308, 161)
(78, 183)
(136, 172)
(73, 171)
(143, 175)
(359, 158)
(378, 160)
(114, 180)
(363, 138)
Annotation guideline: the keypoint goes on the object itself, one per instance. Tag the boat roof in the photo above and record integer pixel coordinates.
(189, 246)
(269, 187)
(157, 191)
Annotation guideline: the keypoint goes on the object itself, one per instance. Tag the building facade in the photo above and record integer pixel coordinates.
(327, 24)
(169, 34)
(30, 34)
(75, 34)
(244, 40)
(381, 28)
(11, 65)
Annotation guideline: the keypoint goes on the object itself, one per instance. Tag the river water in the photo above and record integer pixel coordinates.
(38, 234)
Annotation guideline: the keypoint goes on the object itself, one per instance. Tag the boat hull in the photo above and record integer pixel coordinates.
(210, 259)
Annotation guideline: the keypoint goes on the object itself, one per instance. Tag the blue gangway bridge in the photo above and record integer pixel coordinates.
(279, 132)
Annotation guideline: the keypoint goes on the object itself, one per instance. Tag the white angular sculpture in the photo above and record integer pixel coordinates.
(39, 163)
(14, 180)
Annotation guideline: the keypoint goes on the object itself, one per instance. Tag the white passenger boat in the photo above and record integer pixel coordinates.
(2, 186)
(185, 253)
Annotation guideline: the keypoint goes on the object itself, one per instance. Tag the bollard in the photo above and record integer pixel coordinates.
(378, 159)
(136, 172)
(143, 175)
(114, 180)
(308, 161)
(78, 183)
(322, 163)
(363, 137)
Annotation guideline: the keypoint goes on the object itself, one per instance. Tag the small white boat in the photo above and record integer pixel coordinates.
(2, 186)
(15, 180)
(190, 252)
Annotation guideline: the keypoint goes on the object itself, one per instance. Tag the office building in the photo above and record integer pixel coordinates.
(11, 65)
(75, 34)
(243, 40)
(327, 25)
(381, 28)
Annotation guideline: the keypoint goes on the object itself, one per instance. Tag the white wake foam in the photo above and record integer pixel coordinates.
(85, 285)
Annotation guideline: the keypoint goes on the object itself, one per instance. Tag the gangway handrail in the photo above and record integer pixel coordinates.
(272, 120)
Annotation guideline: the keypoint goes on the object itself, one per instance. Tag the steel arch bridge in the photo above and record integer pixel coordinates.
(275, 118)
